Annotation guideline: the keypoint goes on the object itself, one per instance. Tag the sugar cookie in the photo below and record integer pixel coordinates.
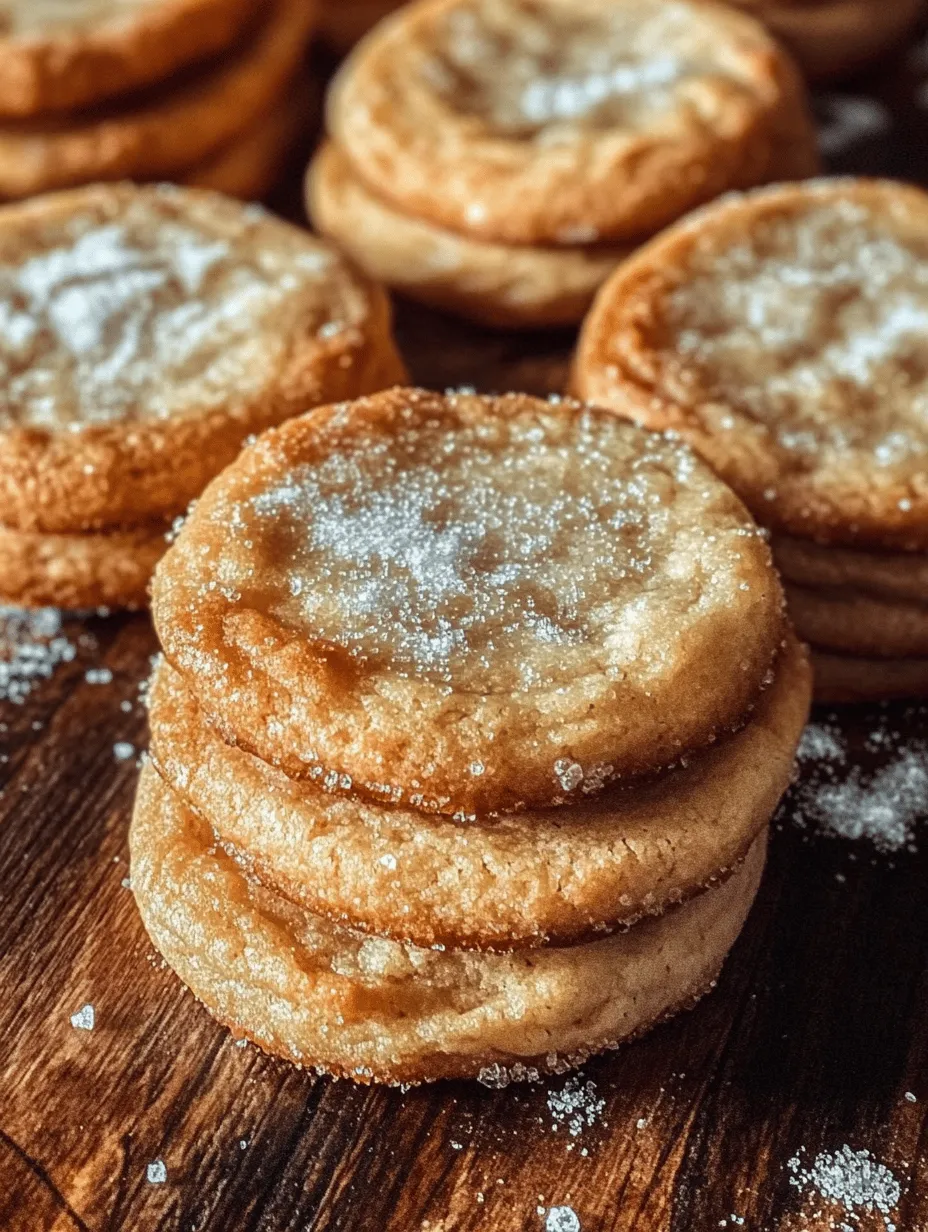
(494, 284)
(781, 333)
(469, 603)
(887, 575)
(375, 1010)
(81, 571)
(528, 879)
(563, 121)
(854, 622)
(853, 678)
(147, 332)
(57, 55)
(166, 131)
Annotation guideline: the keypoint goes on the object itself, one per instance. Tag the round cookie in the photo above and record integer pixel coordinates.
(885, 575)
(833, 38)
(563, 121)
(781, 333)
(857, 623)
(166, 131)
(469, 603)
(852, 678)
(147, 332)
(374, 1010)
(252, 165)
(494, 284)
(526, 879)
(79, 572)
(58, 55)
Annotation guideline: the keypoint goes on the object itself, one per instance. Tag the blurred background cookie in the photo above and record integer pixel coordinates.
(782, 333)
(223, 83)
(147, 332)
(469, 135)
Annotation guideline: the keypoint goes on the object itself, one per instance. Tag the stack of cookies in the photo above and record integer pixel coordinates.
(196, 91)
(472, 717)
(783, 334)
(146, 332)
(833, 38)
(499, 159)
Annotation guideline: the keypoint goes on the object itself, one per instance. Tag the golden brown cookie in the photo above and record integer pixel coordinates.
(563, 121)
(110, 569)
(506, 285)
(166, 131)
(375, 1010)
(251, 165)
(58, 55)
(887, 575)
(782, 334)
(147, 332)
(469, 603)
(527, 879)
(857, 623)
(852, 678)
(833, 38)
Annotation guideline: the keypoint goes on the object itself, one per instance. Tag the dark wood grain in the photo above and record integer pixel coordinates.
(817, 1031)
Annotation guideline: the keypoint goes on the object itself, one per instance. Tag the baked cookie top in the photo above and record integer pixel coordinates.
(562, 121)
(128, 315)
(60, 54)
(783, 333)
(469, 603)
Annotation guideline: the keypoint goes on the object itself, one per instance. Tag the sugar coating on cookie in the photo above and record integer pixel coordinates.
(564, 122)
(468, 602)
(148, 310)
(146, 331)
(783, 332)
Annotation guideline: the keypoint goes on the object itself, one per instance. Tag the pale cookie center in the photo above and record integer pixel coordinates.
(525, 70)
(146, 315)
(52, 16)
(492, 556)
(816, 328)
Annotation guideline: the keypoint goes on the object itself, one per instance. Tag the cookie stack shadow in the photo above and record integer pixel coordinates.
(362, 857)
(209, 93)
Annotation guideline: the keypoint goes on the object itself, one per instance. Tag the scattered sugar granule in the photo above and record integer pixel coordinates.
(853, 1181)
(31, 647)
(576, 1106)
(98, 675)
(840, 799)
(562, 1219)
(84, 1019)
(910, 1097)
(123, 750)
(156, 1172)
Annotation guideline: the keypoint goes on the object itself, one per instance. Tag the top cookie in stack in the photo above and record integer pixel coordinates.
(473, 716)
(499, 157)
(782, 332)
(150, 89)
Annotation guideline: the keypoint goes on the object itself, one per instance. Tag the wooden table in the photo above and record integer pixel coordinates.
(816, 1038)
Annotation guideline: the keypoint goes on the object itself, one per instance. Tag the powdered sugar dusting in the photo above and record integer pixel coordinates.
(136, 314)
(839, 798)
(485, 548)
(526, 71)
(853, 1182)
(815, 327)
(32, 646)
